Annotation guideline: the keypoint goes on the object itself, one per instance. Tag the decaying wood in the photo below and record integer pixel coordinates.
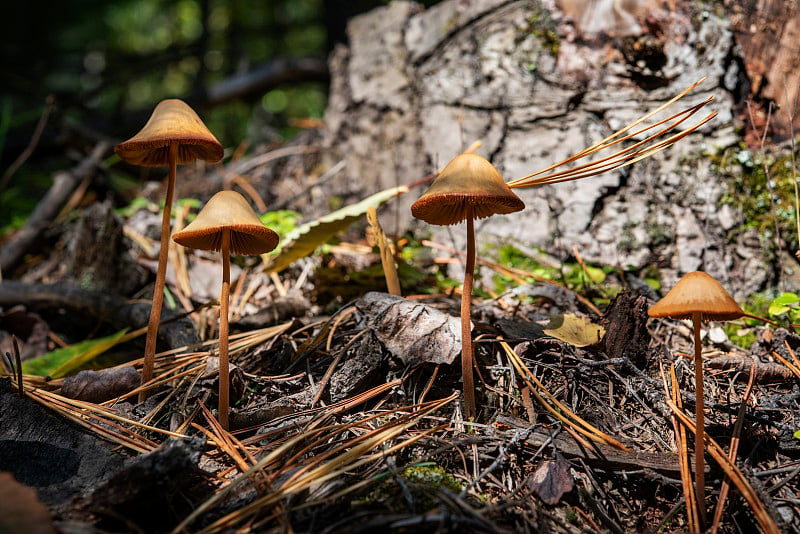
(261, 79)
(600, 455)
(64, 184)
(98, 257)
(625, 321)
(119, 312)
(768, 32)
(48, 453)
(741, 365)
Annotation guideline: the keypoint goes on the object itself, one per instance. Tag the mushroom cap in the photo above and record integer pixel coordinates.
(172, 122)
(697, 292)
(468, 179)
(228, 210)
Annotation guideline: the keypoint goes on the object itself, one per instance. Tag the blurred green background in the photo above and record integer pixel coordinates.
(106, 64)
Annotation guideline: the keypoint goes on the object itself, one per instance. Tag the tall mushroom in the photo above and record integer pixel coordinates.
(699, 297)
(226, 223)
(470, 188)
(173, 135)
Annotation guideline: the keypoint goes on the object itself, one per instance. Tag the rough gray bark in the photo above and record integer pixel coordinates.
(416, 87)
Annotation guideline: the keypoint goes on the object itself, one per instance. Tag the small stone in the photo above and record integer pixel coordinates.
(716, 334)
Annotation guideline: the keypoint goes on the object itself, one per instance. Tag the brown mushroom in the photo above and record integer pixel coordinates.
(698, 296)
(470, 188)
(226, 223)
(173, 135)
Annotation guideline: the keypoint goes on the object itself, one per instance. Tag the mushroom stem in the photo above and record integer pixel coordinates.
(466, 334)
(699, 433)
(224, 296)
(161, 274)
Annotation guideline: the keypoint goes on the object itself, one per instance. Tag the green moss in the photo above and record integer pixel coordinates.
(542, 26)
(660, 233)
(423, 481)
(430, 475)
(747, 173)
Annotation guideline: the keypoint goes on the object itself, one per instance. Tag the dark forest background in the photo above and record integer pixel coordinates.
(89, 70)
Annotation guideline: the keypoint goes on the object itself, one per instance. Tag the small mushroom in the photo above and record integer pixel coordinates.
(699, 297)
(470, 188)
(173, 135)
(226, 223)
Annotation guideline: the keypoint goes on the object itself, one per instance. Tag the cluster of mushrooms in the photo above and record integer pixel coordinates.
(176, 135)
(468, 188)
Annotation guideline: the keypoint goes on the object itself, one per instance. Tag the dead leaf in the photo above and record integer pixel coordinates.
(100, 386)
(577, 331)
(414, 333)
(21, 510)
(551, 480)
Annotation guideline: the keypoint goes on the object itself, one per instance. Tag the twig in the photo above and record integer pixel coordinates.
(564, 414)
(266, 76)
(387, 259)
(64, 183)
(23, 157)
(523, 435)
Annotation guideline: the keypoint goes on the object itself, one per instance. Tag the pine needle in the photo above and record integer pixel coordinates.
(305, 471)
(765, 521)
(627, 156)
(564, 414)
(673, 391)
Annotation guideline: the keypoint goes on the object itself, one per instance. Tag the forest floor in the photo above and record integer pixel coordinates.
(347, 405)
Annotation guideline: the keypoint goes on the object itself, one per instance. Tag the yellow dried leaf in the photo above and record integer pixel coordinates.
(577, 331)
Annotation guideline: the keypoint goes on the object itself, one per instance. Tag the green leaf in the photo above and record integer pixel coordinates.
(577, 331)
(777, 309)
(63, 361)
(306, 238)
(797, 434)
(597, 274)
(786, 299)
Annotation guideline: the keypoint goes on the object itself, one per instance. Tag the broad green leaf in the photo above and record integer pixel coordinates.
(787, 298)
(61, 362)
(577, 331)
(306, 238)
(777, 309)
(783, 303)
(797, 434)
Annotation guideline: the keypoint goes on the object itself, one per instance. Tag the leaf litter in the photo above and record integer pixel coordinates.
(338, 406)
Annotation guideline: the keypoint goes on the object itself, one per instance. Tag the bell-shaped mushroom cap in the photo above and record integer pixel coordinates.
(172, 122)
(467, 180)
(697, 292)
(228, 210)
